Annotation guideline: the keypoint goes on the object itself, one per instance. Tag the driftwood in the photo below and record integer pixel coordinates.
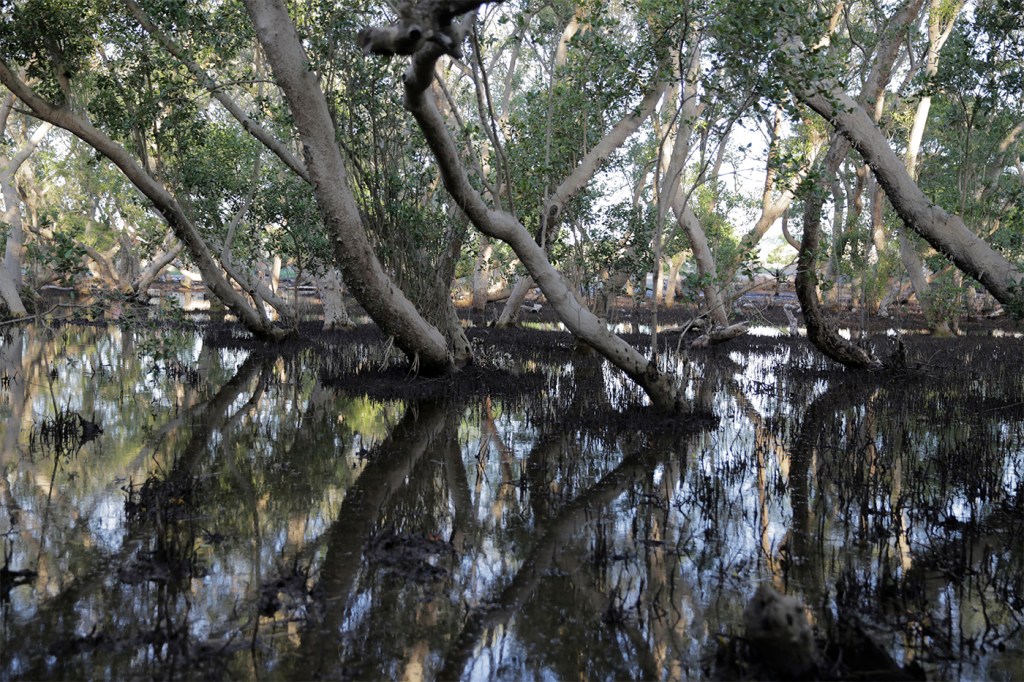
(720, 335)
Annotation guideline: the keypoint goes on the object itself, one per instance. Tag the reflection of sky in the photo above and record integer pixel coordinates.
(260, 514)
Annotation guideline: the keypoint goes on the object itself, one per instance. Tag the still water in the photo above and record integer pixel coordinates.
(176, 508)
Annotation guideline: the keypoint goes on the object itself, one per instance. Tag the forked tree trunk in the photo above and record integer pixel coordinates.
(672, 196)
(10, 277)
(576, 181)
(149, 273)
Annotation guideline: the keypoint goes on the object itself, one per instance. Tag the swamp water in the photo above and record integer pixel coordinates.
(185, 504)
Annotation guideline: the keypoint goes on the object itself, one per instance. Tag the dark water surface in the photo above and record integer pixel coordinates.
(250, 516)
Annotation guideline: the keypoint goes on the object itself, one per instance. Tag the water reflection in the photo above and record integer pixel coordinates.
(235, 518)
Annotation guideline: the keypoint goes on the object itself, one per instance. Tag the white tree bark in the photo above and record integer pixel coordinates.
(704, 260)
(482, 274)
(937, 36)
(12, 202)
(172, 247)
(11, 280)
(672, 197)
(9, 292)
(331, 288)
(425, 346)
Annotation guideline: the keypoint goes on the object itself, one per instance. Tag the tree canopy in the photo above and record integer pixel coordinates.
(588, 144)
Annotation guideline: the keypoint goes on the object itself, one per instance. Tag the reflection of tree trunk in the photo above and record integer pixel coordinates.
(390, 464)
(633, 471)
(765, 441)
(19, 358)
(214, 415)
(819, 419)
(458, 487)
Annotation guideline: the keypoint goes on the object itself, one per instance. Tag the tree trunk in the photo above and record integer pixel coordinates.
(705, 262)
(908, 250)
(821, 331)
(673, 198)
(335, 313)
(577, 180)
(9, 292)
(675, 265)
(12, 211)
(149, 274)
(425, 346)
(659, 387)
(162, 199)
(510, 313)
(482, 275)
(275, 274)
(946, 232)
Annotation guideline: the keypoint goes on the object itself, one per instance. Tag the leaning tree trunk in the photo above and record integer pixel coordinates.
(937, 36)
(425, 346)
(501, 225)
(946, 232)
(575, 182)
(162, 199)
(148, 274)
